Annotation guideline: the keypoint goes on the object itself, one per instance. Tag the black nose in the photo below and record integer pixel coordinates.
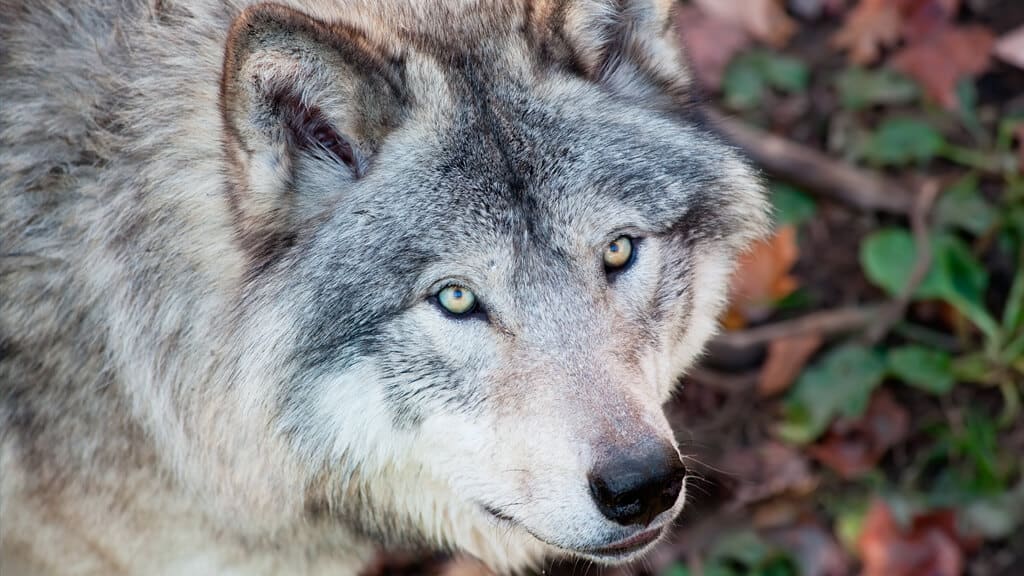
(634, 487)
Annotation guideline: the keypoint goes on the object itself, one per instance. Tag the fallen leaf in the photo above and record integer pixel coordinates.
(763, 277)
(1010, 47)
(767, 471)
(870, 27)
(860, 88)
(710, 43)
(765, 20)
(854, 446)
(939, 60)
(786, 359)
(922, 18)
(927, 547)
(839, 384)
(815, 549)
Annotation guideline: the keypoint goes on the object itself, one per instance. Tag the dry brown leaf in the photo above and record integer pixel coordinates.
(762, 278)
(869, 28)
(768, 471)
(815, 549)
(765, 20)
(786, 359)
(1010, 47)
(927, 547)
(854, 447)
(941, 59)
(710, 43)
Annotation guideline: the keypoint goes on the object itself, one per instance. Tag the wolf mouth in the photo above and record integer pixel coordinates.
(627, 546)
(617, 550)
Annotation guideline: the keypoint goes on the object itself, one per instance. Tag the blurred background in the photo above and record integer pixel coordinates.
(861, 412)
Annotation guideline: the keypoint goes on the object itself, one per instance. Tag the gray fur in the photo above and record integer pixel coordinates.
(219, 349)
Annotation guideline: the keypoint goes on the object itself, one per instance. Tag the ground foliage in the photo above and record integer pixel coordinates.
(861, 413)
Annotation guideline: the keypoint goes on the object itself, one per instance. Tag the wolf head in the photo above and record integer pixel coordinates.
(487, 240)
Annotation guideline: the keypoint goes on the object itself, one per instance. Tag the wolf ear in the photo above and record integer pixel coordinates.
(632, 48)
(301, 94)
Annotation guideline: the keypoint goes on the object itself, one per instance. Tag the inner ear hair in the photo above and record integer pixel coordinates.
(309, 130)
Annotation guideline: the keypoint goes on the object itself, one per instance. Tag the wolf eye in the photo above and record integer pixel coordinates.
(618, 254)
(457, 300)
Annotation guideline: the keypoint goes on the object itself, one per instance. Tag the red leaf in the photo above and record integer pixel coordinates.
(762, 278)
(786, 359)
(768, 471)
(939, 60)
(922, 18)
(710, 43)
(869, 28)
(765, 20)
(928, 547)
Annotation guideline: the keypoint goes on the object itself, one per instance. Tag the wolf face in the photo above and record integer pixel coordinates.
(413, 274)
(470, 356)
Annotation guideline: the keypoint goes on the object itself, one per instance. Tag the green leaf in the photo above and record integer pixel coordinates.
(972, 367)
(924, 368)
(784, 73)
(791, 205)
(839, 385)
(848, 526)
(967, 95)
(1013, 311)
(743, 84)
(751, 74)
(901, 141)
(744, 547)
(961, 280)
(888, 257)
(962, 206)
(859, 88)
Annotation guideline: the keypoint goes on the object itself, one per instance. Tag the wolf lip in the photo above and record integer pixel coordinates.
(629, 545)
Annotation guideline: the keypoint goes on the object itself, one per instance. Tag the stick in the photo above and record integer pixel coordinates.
(826, 323)
(813, 170)
(919, 222)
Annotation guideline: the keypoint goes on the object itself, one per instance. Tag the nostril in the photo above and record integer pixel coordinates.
(635, 489)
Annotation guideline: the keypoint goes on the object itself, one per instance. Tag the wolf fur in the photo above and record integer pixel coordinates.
(222, 225)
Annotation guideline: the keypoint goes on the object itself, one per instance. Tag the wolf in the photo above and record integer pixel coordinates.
(284, 283)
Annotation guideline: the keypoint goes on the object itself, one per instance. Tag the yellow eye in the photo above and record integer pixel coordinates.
(618, 254)
(457, 300)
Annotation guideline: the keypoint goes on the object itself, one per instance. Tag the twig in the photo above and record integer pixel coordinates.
(826, 323)
(813, 170)
(920, 217)
(724, 381)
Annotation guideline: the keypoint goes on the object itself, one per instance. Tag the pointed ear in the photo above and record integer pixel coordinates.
(632, 47)
(299, 95)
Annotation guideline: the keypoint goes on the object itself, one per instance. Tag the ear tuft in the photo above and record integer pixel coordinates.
(632, 47)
